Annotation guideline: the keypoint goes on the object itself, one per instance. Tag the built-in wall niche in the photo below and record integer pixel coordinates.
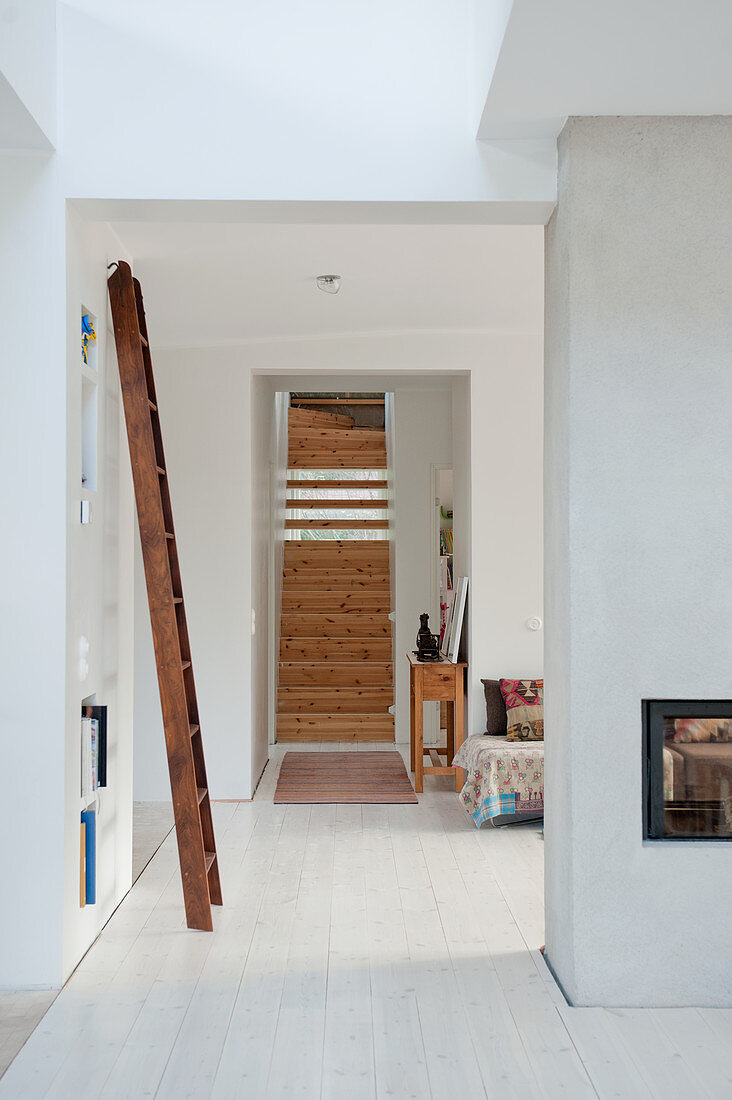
(88, 339)
(89, 433)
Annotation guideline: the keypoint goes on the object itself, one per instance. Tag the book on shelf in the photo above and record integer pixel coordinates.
(93, 749)
(82, 867)
(89, 821)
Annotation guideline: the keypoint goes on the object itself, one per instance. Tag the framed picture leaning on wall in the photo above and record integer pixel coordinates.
(456, 625)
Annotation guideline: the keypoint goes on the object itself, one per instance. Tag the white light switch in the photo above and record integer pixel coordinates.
(86, 511)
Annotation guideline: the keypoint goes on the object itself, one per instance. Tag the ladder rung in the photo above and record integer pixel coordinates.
(152, 405)
(161, 470)
(143, 341)
(194, 730)
(202, 792)
(210, 857)
(177, 599)
(168, 535)
(185, 665)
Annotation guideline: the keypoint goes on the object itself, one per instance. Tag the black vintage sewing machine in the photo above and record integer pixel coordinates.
(428, 644)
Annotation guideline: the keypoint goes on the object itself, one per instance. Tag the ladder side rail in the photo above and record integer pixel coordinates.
(134, 384)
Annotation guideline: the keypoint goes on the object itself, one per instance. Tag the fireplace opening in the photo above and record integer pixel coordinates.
(687, 788)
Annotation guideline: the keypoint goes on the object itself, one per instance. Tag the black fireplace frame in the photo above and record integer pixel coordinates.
(654, 712)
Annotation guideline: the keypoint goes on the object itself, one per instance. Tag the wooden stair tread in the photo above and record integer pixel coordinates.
(309, 502)
(202, 792)
(338, 401)
(342, 483)
(341, 524)
(210, 860)
(193, 729)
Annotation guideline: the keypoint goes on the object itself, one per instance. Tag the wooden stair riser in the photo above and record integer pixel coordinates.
(327, 727)
(344, 523)
(335, 460)
(335, 649)
(348, 605)
(335, 626)
(342, 674)
(340, 552)
(310, 418)
(319, 580)
(336, 570)
(305, 700)
(324, 439)
(361, 606)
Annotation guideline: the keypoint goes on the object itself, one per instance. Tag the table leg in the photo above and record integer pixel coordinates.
(450, 732)
(418, 733)
(411, 724)
(459, 723)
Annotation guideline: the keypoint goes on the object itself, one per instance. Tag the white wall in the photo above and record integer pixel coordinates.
(268, 424)
(59, 581)
(204, 403)
(273, 101)
(99, 593)
(506, 542)
(28, 74)
(638, 491)
(422, 438)
(32, 570)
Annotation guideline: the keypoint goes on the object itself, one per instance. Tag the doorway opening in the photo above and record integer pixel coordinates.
(335, 668)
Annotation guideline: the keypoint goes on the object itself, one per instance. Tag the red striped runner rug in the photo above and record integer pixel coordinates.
(343, 777)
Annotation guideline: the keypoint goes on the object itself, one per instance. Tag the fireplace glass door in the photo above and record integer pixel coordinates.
(688, 769)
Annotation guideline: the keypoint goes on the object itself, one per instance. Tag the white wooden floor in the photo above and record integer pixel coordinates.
(363, 951)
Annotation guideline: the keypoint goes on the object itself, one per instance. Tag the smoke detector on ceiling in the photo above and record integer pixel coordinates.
(330, 284)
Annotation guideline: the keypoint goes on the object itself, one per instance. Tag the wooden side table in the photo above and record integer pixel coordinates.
(440, 681)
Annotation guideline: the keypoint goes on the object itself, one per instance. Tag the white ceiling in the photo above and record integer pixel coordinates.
(628, 57)
(221, 284)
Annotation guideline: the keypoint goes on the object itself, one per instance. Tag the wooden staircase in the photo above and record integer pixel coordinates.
(191, 803)
(336, 670)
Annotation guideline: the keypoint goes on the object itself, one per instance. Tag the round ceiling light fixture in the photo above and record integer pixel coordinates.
(329, 284)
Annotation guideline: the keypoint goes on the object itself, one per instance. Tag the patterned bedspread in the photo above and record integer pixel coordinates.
(502, 777)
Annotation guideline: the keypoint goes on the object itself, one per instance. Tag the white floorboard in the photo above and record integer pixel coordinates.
(362, 952)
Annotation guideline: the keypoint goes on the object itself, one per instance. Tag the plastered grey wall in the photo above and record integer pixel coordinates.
(638, 566)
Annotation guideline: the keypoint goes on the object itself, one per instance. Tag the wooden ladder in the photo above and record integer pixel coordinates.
(191, 802)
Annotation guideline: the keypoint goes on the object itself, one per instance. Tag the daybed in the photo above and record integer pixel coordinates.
(504, 780)
(504, 768)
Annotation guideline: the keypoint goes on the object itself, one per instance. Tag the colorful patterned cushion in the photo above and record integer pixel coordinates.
(495, 708)
(689, 731)
(524, 701)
